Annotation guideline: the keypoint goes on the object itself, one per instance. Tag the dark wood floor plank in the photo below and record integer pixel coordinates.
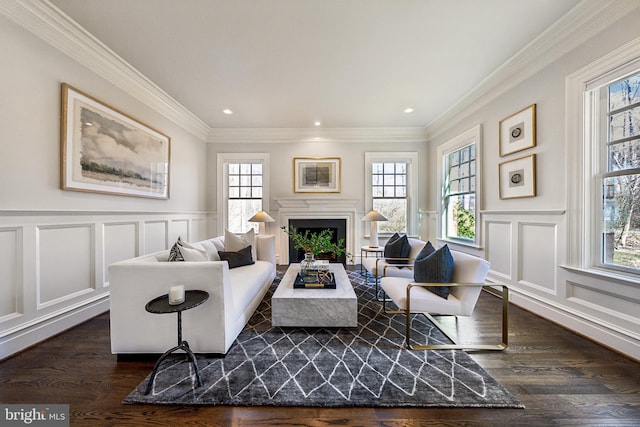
(562, 379)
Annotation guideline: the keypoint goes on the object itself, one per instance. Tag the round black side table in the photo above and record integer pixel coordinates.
(161, 305)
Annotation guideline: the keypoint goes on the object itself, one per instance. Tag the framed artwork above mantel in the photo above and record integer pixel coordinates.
(316, 174)
(104, 150)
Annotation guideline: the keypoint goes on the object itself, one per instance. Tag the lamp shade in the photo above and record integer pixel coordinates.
(261, 217)
(374, 217)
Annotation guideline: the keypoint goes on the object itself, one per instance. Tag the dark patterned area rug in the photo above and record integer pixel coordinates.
(363, 366)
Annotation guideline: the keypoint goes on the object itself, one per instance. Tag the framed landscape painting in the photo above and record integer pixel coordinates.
(106, 151)
(316, 174)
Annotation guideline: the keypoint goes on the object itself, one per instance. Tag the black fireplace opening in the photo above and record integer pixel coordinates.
(337, 226)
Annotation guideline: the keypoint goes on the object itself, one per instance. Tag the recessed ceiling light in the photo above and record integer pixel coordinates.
(317, 123)
(408, 110)
(227, 111)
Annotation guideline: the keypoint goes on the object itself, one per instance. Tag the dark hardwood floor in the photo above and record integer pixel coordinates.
(561, 378)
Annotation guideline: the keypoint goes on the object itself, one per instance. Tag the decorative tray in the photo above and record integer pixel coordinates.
(325, 280)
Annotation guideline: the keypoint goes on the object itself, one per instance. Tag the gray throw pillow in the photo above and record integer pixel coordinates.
(435, 268)
(239, 258)
(397, 247)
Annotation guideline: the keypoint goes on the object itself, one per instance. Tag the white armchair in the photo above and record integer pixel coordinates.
(469, 274)
(393, 267)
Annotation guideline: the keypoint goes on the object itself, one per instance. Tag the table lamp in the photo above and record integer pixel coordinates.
(261, 217)
(374, 217)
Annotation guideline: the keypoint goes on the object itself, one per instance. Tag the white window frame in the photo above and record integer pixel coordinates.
(411, 158)
(583, 153)
(471, 136)
(223, 161)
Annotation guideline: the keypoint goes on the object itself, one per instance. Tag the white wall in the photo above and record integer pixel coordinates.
(526, 240)
(353, 175)
(55, 245)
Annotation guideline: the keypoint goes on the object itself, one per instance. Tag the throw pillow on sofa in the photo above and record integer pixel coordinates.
(237, 259)
(185, 251)
(435, 268)
(235, 242)
(397, 247)
(211, 249)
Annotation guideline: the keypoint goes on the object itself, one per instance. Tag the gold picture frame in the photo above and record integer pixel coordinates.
(316, 174)
(103, 150)
(518, 131)
(517, 177)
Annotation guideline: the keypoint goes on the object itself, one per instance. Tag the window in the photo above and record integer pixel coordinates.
(603, 142)
(244, 187)
(459, 166)
(242, 180)
(618, 132)
(389, 192)
(391, 189)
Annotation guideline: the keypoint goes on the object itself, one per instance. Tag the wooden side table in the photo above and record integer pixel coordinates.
(366, 250)
(161, 305)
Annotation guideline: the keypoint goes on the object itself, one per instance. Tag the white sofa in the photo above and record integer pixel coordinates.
(212, 327)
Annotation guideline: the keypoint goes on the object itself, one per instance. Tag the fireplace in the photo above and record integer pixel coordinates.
(338, 226)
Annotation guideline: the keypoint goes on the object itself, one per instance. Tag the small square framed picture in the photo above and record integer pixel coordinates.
(518, 177)
(518, 131)
(316, 174)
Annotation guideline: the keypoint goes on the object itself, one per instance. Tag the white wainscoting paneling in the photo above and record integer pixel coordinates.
(156, 236)
(65, 262)
(537, 255)
(54, 264)
(120, 242)
(532, 262)
(10, 279)
(179, 228)
(499, 248)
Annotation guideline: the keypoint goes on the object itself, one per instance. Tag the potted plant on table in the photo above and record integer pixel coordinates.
(314, 245)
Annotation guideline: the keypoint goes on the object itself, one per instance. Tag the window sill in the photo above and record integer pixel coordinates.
(599, 273)
(461, 243)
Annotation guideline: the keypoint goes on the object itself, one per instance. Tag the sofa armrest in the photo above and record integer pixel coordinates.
(133, 284)
(266, 248)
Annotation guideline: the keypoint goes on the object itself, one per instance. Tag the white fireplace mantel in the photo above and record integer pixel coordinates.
(316, 208)
(324, 203)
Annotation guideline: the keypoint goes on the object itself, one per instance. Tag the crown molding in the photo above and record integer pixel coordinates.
(293, 135)
(46, 21)
(579, 24)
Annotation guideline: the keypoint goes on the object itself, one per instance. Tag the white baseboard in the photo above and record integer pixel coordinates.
(25, 338)
(598, 333)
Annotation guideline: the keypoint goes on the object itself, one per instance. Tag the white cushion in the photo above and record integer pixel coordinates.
(212, 251)
(193, 252)
(421, 299)
(235, 242)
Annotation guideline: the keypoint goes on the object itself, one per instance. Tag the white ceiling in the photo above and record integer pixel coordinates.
(289, 63)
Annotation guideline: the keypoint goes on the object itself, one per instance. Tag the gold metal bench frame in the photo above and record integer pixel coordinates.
(504, 293)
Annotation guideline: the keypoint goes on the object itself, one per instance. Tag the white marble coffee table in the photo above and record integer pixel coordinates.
(315, 307)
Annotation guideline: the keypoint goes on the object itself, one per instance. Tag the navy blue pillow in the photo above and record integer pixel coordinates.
(237, 259)
(435, 268)
(397, 247)
(426, 250)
